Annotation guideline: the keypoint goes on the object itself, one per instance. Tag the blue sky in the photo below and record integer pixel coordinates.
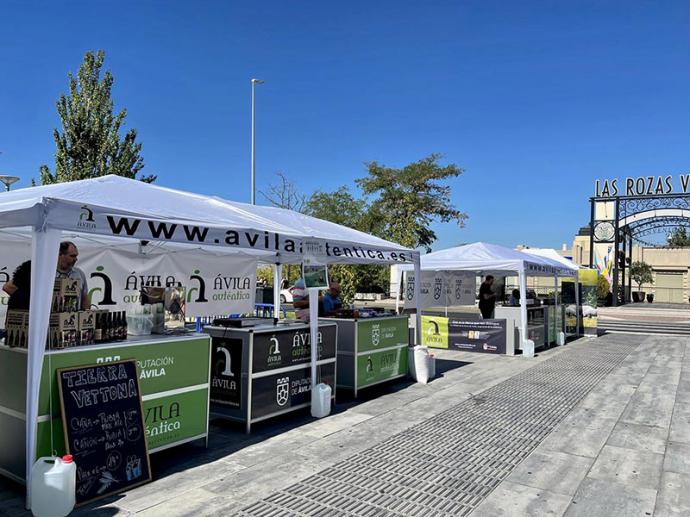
(535, 100)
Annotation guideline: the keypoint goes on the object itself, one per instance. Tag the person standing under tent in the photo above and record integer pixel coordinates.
(67, 258)
(331, 300)
(487, 298)
(514, 300)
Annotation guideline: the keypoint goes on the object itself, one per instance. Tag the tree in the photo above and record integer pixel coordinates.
(285, 194)
(641, 273)
(603, 287)
(341, 207)
(679, 237)
(89, 144)
(410, 199)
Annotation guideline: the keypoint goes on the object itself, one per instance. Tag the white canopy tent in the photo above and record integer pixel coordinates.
(113, 207)
(484, 258)
(551, 254)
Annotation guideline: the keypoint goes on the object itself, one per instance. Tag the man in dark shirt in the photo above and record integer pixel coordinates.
(487, 298)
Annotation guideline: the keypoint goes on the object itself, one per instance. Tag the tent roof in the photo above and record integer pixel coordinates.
(60, 205)
(552, 254)
(485, 257)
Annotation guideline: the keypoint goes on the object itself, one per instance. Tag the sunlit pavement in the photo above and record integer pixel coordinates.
(597, 427)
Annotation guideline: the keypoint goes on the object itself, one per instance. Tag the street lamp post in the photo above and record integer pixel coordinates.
(254, 83)
(8, 180)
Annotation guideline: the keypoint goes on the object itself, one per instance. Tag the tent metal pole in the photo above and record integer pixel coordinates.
(313, 333)
(277, 280)
(44, 255)
(577, 304)
(523, 306)
(555, 306)
(418, 297)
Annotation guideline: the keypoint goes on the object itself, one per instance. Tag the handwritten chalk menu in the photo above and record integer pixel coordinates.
(104, 428)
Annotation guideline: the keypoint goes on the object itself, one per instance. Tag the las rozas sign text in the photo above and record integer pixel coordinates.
(642, 186)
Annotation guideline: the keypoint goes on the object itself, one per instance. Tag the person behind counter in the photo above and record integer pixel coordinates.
(331, 300)
(487, 298)
(20, 285)
(514, 300)
(67, 257)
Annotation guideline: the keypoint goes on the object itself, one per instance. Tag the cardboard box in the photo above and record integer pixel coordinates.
(66, 294)
(17, 328)
(68, 329)
(87, 325)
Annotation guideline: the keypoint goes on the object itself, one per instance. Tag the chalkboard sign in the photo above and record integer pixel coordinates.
(104, 428)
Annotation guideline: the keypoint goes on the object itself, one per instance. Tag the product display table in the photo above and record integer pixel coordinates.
(371, 350)
(263, 371)
(173, 378)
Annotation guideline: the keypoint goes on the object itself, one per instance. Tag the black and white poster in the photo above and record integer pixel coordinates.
(486, 336)
(226, 371)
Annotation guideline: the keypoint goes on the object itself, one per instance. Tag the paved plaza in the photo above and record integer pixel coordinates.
(598, 427)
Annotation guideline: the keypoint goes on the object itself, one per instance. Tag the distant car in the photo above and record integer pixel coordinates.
(286, 295)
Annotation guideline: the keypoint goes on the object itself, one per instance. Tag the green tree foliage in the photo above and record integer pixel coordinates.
(603, 287)
(641, 273)
(408, 200)
(679, 237)
(341, 207)
(89, 144)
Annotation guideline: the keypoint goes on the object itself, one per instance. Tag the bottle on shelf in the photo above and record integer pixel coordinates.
(109, 327)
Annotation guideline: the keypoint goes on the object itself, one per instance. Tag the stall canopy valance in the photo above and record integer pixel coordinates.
(552, 254)
(114, 206)
(483, 257)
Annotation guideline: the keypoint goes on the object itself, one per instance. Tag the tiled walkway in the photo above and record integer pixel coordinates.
(447, 465)
(493, 435)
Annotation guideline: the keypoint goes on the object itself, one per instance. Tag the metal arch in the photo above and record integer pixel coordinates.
(635, 205)
(648, 227)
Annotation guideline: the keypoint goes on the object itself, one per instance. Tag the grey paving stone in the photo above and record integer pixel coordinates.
(639, 469)
(14, 508)
(680, 423)
(639, 437)
(673, 498)
(556, 472)
(511, 499)
(677, 458)
(651, 406)
(609, 400)
(192, 502)
(598, 497)
(169, 487)
(335, 423)
(580, 439)
(270, 448)
(261, 480)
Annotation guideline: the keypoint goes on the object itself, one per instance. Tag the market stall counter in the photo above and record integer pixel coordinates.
(261, 370)
(173, 375)
(371, 349)
(537, 325)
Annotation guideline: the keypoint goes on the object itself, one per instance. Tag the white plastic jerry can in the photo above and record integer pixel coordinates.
(53, 484)
(421, 364)
(321, 400)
